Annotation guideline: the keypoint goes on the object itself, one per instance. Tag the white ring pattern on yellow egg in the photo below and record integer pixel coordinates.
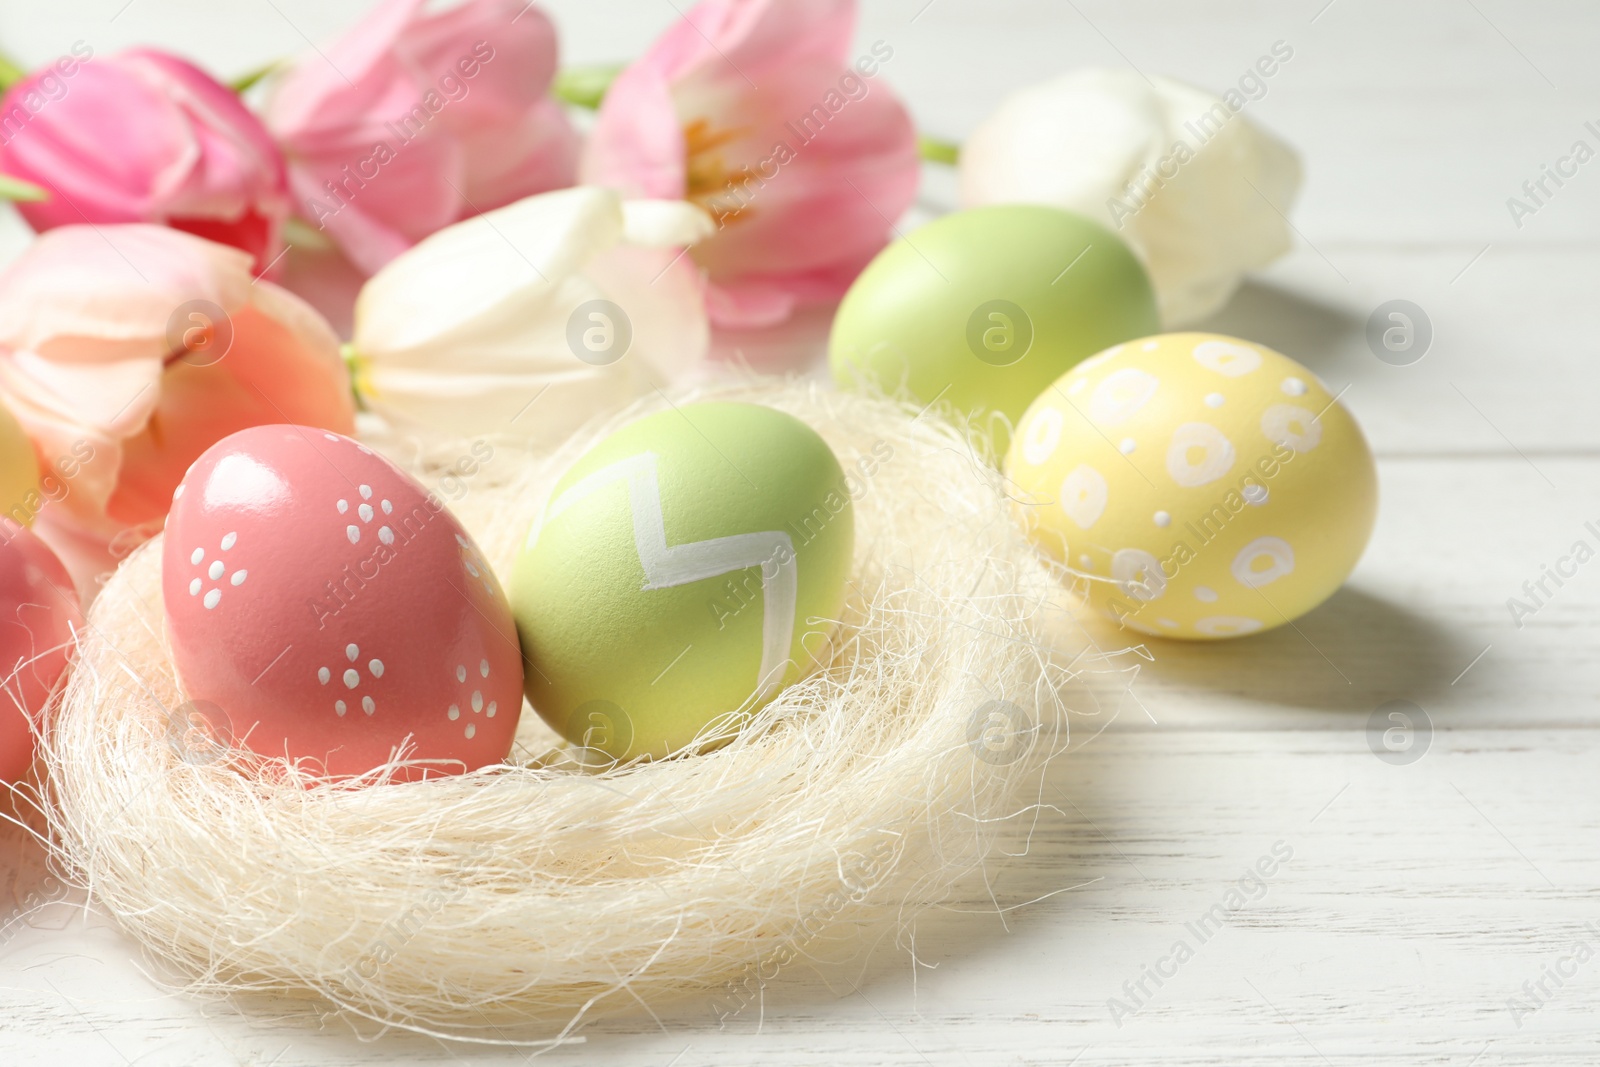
(1083, 495)
(1139, 573)
(1121, 394)
(1291, 426)
(1043, 433)
(1216, 457)
(1226, 358)
(1275, 550)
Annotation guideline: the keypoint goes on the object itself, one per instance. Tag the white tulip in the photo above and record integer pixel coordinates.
(1198, 191)
(490, 326)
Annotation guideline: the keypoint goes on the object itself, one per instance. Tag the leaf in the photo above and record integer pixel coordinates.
(586, 86)
(16, 189)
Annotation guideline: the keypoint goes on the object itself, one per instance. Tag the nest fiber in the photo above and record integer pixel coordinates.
(539, 893)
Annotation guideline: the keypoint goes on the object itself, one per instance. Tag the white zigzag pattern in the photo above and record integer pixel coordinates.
(667, 566)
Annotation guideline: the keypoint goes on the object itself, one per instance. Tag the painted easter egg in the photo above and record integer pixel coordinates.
(682, 572)
(985, 308)
(324, 607)
(39, 618)
(1205, 486)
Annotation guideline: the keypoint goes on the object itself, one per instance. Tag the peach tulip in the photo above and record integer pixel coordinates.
(416, 120)
(126, 351)
(753, 110)
(143, 136)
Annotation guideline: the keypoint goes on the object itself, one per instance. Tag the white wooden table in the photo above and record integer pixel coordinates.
(1419, 898)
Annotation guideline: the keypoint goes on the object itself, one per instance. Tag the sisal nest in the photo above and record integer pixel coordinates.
(536, 894)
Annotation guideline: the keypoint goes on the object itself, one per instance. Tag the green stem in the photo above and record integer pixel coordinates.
(10, 72)
(935, 150)
(17, 189)
(586, 86)
(246, 81)
(352, 364)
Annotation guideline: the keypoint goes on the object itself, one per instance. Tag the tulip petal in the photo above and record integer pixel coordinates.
(84, 293)
(484, 276)
(143, 136)
(750, 109)
(90, 368)
(417, 119)
(664, 223)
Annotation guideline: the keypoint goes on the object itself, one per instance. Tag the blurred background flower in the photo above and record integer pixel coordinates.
(1199, 191)
(126, 351)
(804, 177)
(415, 120)
(529, 320)
(143, 136)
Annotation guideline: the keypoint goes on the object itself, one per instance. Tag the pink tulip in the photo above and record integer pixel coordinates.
(413, 121)
(753, 110)
(143, 136)
(126, 351)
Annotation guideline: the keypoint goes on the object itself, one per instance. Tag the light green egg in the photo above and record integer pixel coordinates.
(684, 570)
(984, 309)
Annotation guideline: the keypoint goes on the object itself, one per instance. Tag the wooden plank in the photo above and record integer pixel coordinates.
(1407, 906)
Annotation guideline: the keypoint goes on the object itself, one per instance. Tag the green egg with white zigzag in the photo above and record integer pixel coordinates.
(682, 572)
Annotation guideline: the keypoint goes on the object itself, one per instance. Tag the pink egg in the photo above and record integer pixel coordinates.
(322, 606)
(38, 616)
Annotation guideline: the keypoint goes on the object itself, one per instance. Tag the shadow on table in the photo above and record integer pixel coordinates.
(1303, 329)
(1349, 655)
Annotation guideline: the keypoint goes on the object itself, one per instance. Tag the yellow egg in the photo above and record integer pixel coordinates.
(1203, 486)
